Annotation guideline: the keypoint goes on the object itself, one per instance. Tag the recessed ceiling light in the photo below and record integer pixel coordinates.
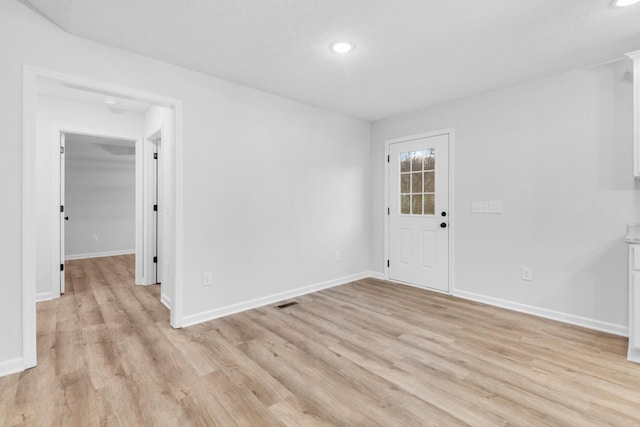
(623, 3)
(110, 101)
(343, 47)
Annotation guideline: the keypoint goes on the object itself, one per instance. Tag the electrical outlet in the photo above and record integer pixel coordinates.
(338, 256)
(207, 278)
(94, 237)
(527, 274)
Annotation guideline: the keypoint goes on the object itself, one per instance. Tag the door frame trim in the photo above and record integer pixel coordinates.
(450, 132)
(31, 75)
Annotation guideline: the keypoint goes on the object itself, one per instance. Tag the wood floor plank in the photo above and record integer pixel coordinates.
(369, 353)
(292, 414)
(244, 370)
(320, 401)
(243, 406)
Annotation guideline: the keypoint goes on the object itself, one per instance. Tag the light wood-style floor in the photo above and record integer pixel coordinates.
(368, 353)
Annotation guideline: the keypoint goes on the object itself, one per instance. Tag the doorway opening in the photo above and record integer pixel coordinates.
(158, 178)
(98, 192)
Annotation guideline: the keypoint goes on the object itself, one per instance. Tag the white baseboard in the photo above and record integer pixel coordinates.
(100, 254)
(11, 366)
(572, 319)
(166, 301)
(377, 275)
(597, 325)
(267, 300)
(45, 296)
(633, 355)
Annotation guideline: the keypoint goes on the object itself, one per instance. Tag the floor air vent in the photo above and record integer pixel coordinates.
(289, 304)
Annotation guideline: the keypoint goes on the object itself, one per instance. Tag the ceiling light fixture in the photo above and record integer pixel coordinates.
(343, 47)
(624, 3)
(110, 101)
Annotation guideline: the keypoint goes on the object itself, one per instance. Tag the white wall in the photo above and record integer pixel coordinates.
(558, 153)
(54, 113)
(272, 187)
(100, 198)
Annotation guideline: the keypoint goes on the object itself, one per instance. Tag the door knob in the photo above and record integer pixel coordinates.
(66, 218)
(443, 225)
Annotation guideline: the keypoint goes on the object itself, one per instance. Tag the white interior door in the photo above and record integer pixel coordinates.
(418, 232)
(156, 221)
(148, 207)
(63, 213)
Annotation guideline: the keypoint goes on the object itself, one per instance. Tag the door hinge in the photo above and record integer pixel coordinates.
(61, 150)
(388, 263)
(61, 208)
(388, 158)
(388, 211)
(155, 156)
(155, 259)
(61, 267)
(155, 208)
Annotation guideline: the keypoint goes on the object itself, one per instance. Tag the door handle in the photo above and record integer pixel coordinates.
(443, 225)
(66, 218)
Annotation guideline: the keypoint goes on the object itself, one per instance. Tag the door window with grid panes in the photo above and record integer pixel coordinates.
(417, 182)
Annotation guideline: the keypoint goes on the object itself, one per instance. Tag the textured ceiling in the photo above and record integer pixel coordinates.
(409, 53)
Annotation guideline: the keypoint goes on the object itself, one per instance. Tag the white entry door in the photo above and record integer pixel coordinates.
(418, 229)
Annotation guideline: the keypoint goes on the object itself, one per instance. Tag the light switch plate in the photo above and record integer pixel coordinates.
(495, 207)
(480, 207)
